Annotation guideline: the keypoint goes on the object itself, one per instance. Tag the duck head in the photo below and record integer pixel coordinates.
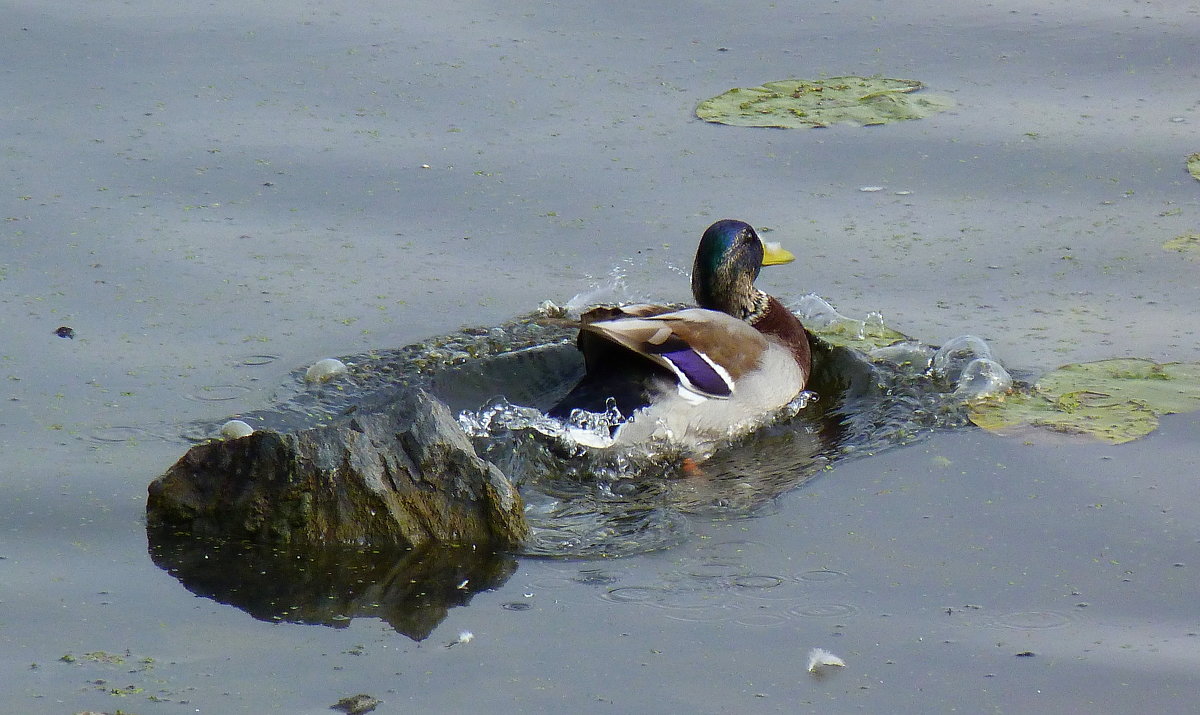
(727, 263)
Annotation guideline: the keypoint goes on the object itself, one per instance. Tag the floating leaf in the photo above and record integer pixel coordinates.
(1166, 389)
(800, 103)
(1188, 243)
(1193, 166)
(1115, 400)
(861, 335)
(1113, 423)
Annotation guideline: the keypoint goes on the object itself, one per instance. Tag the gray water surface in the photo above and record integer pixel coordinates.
(214, 194)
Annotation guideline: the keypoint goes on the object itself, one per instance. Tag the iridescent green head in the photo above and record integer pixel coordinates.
(727, 263)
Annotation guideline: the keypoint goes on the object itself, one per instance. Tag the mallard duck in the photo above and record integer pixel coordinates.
(697, 375)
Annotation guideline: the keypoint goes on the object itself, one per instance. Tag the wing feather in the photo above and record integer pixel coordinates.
(708, 351)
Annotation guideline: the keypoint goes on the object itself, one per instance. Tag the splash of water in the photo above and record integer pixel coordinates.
(584, 500)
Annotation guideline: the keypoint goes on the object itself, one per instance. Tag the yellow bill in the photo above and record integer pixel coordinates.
(775, 254)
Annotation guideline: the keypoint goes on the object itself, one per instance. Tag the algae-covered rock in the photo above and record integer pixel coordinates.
(800, 103)
(398, 470)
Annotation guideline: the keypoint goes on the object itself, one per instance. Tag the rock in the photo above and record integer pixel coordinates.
(356, 704)
(396, 471)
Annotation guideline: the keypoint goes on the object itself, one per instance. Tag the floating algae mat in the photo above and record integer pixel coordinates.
(800, 103)
(1193, 166)
(1113, 400)
(1187, 244)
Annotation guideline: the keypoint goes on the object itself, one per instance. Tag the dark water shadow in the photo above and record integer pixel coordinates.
(409, 589)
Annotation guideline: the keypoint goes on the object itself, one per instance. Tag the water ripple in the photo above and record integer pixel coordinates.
(218, 393)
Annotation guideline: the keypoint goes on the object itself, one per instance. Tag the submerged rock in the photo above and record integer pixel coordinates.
(396, 470)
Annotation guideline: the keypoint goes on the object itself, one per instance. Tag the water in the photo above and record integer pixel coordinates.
(214, 196)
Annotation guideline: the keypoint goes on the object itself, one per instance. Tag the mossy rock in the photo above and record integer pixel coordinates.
(801, 103)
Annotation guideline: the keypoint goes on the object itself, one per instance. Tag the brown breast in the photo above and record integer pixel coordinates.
(783, 325)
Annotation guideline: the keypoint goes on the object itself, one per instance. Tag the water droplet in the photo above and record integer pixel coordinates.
(952, 358)
(235, 429)
(325, 370)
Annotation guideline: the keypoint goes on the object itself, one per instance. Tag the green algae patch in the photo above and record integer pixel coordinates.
(801, 103)
(1193, 166)
(1187, 244)
(1116, 400)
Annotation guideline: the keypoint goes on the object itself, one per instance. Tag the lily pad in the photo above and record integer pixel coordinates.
(1166, 389)
(801, 103)
(861, 335)
(1115, 400)
(1188, 243)
(1113, 423)
(1193, 166)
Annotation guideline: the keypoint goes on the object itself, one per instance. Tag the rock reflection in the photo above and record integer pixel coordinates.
(411, 590)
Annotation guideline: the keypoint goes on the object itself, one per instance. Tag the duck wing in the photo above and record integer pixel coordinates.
(707, 351)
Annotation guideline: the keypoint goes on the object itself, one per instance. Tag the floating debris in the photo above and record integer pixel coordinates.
(801, 103)
(819, 658)
(65, 331)
(1187, 244)
(464, 637)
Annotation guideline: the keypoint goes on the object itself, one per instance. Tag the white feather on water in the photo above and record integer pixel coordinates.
(819, 658)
